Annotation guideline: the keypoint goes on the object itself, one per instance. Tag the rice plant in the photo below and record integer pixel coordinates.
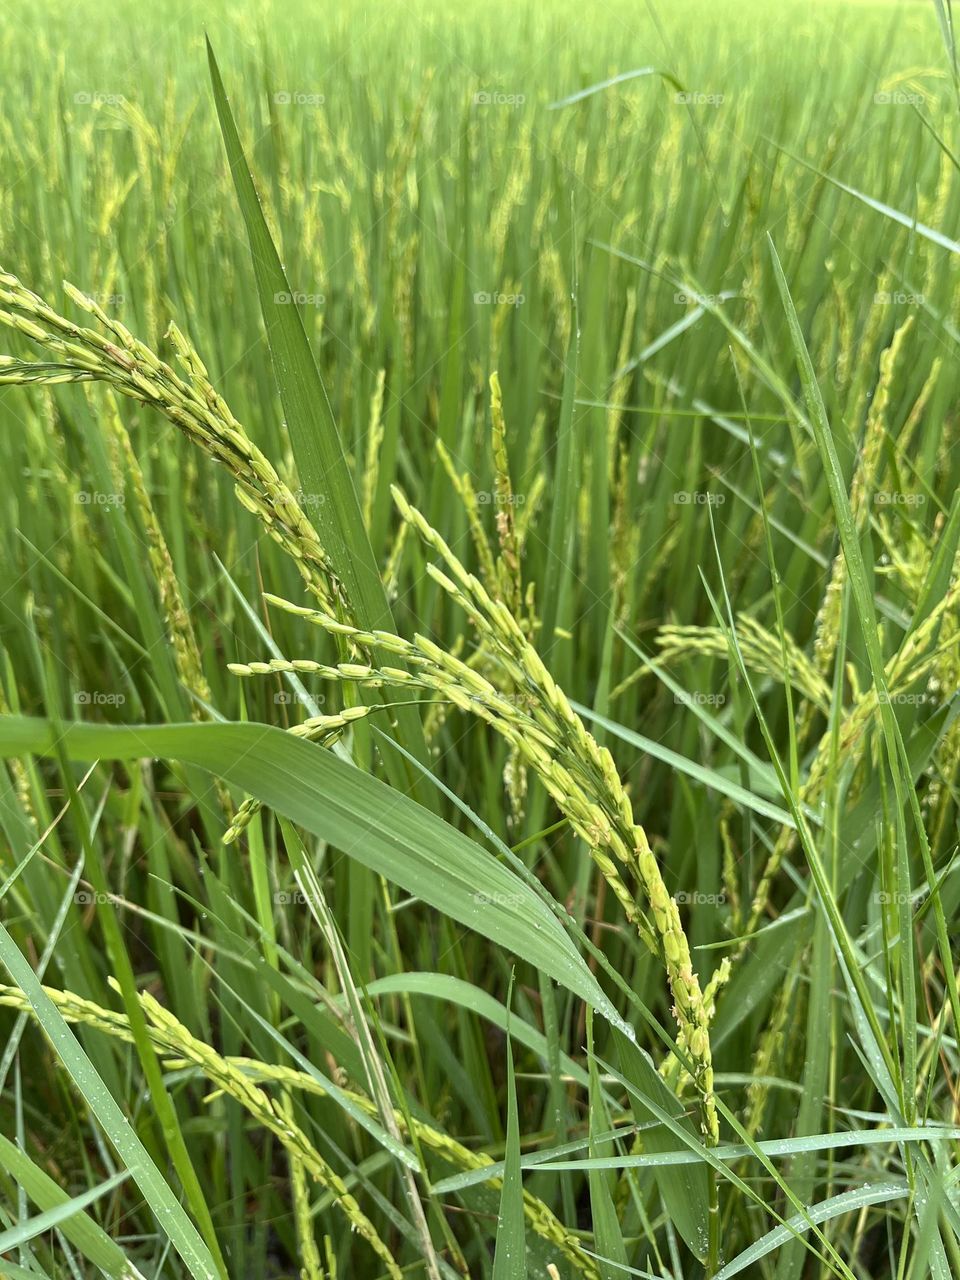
(480, 647)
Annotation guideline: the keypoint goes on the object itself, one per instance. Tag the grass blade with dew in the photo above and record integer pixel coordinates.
(847, 1202)
(58, 1215)
(79, 1228)
(685, 1191)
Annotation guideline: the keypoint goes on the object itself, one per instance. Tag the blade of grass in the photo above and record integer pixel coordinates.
(58, 1215)
(846, 1202)
(356, 813)
(79, 1228)
(621, 78)
(510, 1257)
(888, 211)
(320, 457)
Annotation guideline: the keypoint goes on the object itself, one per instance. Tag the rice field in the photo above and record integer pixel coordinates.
(479, 640)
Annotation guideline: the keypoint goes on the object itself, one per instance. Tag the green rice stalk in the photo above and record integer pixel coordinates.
(861, 492)
(768, 1054)
(620, 389)
(186, 651)
(174, 1040)
(371, 471)
(511, 585)
(910, 664)
(191, 404)
(577, 772)
(762, 653)
(463, 487)
(240, 1077)
(309, 1254)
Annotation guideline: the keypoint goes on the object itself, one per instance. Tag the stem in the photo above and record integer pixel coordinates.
(713, 1249)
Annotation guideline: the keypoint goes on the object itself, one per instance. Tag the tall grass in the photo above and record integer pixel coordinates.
(562, 450)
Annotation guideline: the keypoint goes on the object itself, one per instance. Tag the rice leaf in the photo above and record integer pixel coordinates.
(355, 812)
